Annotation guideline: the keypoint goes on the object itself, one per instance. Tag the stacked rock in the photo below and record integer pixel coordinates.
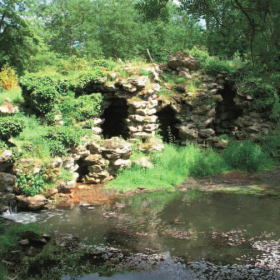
(142, 118)
(251, 126)
(105, 159)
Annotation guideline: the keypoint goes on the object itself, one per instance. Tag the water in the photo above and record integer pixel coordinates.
(194, 226)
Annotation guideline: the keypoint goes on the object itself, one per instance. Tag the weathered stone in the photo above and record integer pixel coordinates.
(121, 163)
(205, 133)
(183, 60)
(93, 159)
(7, 182)
(5, 160)
(140, 134)
(254, 129)
(57, 163)
(135, 128)
(96, 130)
(32, 236)
(143, 162)
(94, 147)
(23, 242)
(128, 87)
(95, 168)
(185, 74)
(4, 111)
(100, 175)
(37, 202)
(137, 118)
(190, 133)
(150, 127)
(139, 82)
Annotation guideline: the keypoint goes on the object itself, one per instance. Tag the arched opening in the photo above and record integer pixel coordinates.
(226, 112)
(115, 119)
(167, 125)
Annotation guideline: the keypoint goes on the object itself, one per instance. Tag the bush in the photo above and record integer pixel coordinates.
(41, 91)
(57, 148)
(88, 106)
(247, 156)
(10, 127)
(68, 136)
(200, 54)
(207, 163)
(30, 184)
(86, 82)
(215, 66)
(264, 95)
(8, 77)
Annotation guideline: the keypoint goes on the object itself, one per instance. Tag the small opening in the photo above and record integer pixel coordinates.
(226, 112)
(167, 123)
(115, 119)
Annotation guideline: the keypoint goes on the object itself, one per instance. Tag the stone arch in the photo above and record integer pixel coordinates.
(227, 112)
(115, 116)
(168, 124)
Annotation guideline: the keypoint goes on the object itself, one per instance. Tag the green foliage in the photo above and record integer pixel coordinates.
(247, 156)
(65, 175)
(30, 184)
(10, 127)
(68, 136)
(171, 168)
(88, 124)
(57, 148)
(264, 96)
(207, 163)
(199, 53)
(41, 91)
(3, 146)
(215, 66)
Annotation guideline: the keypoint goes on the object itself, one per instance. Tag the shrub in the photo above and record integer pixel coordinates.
(206, 163)
(247, 156)
(10, 127)
(264, 95)
(86, 82)
(199, 53)
(68, 136)
(57, 148)
(88, 106)
(8, 77)
(30, 184)
(65, 175)
(214, 66)
(3, 146)
(88, 124)
(40, 91)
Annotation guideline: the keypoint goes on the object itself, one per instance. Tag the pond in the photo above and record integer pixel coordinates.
(214, 230)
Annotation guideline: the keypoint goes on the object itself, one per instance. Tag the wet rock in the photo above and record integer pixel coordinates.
(37, 202)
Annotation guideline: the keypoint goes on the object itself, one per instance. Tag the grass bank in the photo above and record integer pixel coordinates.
(172, 166)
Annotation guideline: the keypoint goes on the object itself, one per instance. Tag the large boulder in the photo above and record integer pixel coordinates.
(7, 182)
(37, 202)
(183, 60)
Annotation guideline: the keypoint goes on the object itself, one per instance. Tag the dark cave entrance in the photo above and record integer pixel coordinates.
(227, 112)
(167, 125)
(115, 119)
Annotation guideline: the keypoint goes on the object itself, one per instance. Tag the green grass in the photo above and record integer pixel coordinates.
(171, 168)
(14, 95)
(247, 156)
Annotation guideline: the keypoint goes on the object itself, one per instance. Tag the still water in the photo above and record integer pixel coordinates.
(194, 226)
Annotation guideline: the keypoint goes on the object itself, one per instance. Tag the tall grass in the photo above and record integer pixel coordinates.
(247, 156)
(171, 167)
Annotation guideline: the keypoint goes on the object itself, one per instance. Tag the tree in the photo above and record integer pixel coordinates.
(18, 37)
